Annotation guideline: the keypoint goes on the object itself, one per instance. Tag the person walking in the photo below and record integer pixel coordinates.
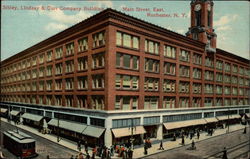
(94, 151)
(72, 157)
(182, 140)
(174, 137)
(245, 130)
(161, 146)
(79, 145)
(198, 134)
(224, 153)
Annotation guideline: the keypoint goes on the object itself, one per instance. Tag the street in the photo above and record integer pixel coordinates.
(206, 148)
(44, 147)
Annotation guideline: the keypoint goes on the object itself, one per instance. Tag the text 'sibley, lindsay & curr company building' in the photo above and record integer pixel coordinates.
(113, 71)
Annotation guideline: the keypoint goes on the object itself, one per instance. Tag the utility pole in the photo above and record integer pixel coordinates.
(228, 120)
(132, 127)
(58, 139)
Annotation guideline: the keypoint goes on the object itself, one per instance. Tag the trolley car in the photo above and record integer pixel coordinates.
(20, 144)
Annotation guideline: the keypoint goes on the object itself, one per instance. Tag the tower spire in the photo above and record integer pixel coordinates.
(202, 23)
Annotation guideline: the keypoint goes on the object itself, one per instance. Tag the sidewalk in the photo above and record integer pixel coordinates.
(138, 152)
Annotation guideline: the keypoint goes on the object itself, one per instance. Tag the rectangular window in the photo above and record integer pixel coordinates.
(169, 68)
(235, 91)
(241, 70)
(48, 100)
(209, 62)
(34, 60)
(235, 68)
(126, 102)
(98, 39)
(49, 85)
(69, 66)
(169, 86)
(169, 102)
(227, 101)
(82, 82)
(82, 102)
(209, 75)
(40, 100)
(59, 52)
(184, 87)
(49, 71)
(98, 60)
(69, 101)
(49, 55)
(219, 77)
(218, 102)
(41, 85)
(152, 65)
(196, 102)
(219, 65)
(197, 59)
(151, 102)
(183, 102)
(82, 63)
(209, 89)
(70, 49)
(152, 47)
(151, 84)
(97, 102)
(98, 81)
(169, 51)
(184, 71)
(69, 83)
(58, 84)
(227, 90)
(127, 82)
(196, 88)
(34, 74)
(208, 102)
(196, 73)
(41, 58)
(127, 61)
(227, 67)
(218, 89)
(184, 55)
(241, 81)
(83, 44)
(58, 100)
(59, 69)
(227, 79)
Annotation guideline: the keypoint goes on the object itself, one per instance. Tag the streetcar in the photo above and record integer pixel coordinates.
(20, 144)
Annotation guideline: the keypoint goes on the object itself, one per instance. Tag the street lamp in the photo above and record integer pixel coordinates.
(132, 127)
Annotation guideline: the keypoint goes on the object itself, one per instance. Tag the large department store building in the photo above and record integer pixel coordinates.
(111, 72)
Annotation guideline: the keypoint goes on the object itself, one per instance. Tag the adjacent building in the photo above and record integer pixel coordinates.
(113, 75)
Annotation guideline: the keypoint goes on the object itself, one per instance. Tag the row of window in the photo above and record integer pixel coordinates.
(124, 82)
(125, 102)
(98, 40)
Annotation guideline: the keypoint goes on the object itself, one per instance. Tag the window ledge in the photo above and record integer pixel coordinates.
(98, 47)
(130, 48)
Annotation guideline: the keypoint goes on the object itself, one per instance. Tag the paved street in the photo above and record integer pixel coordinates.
(44, 147)
(207, 147)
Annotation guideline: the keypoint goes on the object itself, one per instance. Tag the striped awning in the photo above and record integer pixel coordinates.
(4, 110)
(121, 132)
(33, 117)
(211, 120)
(14, 112)
(226, 117)
(68, 125)
(181, 124)
(93, 131)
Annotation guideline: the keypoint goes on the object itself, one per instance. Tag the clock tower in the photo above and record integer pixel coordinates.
(202, 23)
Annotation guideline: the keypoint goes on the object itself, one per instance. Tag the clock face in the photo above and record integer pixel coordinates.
(197, 7)
(208, 7)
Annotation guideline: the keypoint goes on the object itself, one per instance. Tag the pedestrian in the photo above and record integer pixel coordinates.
(182, 140)
(86, 146)
(174, 137)
(79, 145)
(112, 150)
(145, 149)
(193, 147)
(76, 157)
(94, 151)
(191, 135)
(161, 146)
(224, 153)
(47, 156)
(198, 134)
(245, 130)
(72, 157)
(87, 156)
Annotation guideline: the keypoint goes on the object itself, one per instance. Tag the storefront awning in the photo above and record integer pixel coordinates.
(211, 120)
(33, 117)
(14, 113)
(3, 110)
(226, 117)
(68, 125)
(93, 131)
(180, 124)
(121, 132)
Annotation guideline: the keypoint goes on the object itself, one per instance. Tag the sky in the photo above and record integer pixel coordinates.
(25, 23)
